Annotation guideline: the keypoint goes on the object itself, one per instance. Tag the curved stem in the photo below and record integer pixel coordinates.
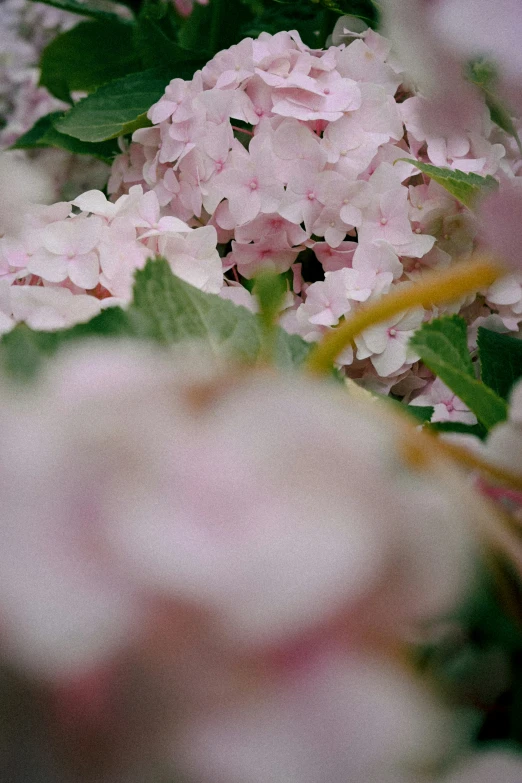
(436, 288)
(470, 460)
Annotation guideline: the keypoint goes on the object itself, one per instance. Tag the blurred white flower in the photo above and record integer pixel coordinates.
(218, 498)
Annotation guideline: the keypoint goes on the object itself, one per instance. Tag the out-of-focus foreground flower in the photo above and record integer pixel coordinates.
(437, 42)
(259, 546)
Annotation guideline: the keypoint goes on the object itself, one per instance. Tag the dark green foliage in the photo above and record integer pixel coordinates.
(115, 109)
(466, 187)
(105, 10)
(165, 310)
(442, 346)
(500, 360)
(44, 134)
(87, 56)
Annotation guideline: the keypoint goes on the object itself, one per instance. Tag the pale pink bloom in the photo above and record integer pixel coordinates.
(352, 141)
(506, 291)
(236, 293)
(120, 256)
(194, 257)
(380, 258)
(260, 95)
(344, 201)
(450, 151)
(473, 28)
(325, 98)
(387, 219)
(210, 155)
(69, 250)
(500, 766)
(129, 501)
(249, 184)
(231, 67)
(429, 204)
(365, 63)
(292, 143)
(147, 215)
(182, 529)
(320, 722)
(267, 226)
(435, 259)
(222, 105)
(289, 70)
(434, 62)
(359, 283)
(331, 258)
(499, 214)
(446, 404)
(50, 308)
(387, 343)
(301, 203)
(185, 7)
(174, 103)
(96, 203)
(326, 301)
(504, 443)
(276, 48)
(274, 252)
(346, 29)
(466, 151)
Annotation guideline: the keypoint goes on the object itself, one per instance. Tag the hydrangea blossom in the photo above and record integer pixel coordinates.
(63, 266)
(292, 156)
(328, 126)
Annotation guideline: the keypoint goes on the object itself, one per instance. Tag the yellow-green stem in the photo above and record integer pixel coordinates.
(434, 289)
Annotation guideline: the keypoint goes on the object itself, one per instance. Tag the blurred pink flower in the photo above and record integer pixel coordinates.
(185, 7)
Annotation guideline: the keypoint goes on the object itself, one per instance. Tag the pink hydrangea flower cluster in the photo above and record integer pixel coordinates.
(291, 154)
(64, 266)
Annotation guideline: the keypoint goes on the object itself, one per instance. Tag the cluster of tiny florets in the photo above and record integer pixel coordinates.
(294, 158)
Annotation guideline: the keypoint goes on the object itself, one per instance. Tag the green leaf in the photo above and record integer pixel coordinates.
(23, 350)
(465, 187)
(87, 56)
(193, 33)
(115, 109)
(422, 413)
(500, 360)
(483, 74)
(269, 290)
(105, 10)
(478, 430)
(156, 49)
(168, 310)
(226, 20)
(165, 310)
(442, 346)
(44, 134)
